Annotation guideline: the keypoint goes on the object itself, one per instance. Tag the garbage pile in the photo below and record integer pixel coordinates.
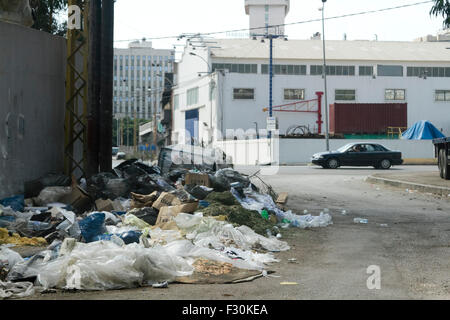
(135, 226)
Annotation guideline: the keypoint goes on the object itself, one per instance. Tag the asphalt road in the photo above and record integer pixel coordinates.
(407, 236)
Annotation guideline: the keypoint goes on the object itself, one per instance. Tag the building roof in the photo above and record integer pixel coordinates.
(335, 50)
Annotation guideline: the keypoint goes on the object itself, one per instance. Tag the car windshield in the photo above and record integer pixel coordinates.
(344, 148)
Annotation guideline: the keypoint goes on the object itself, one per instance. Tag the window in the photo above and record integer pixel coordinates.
(442, 95)
(316, 70)
(389, 71)
(428, 72)
(365, 70)
(176, 102)
(394, 94)
(294, 94)
(242, 93)
(345, 94)
(236, 68)
(192, 96)
(284, 69)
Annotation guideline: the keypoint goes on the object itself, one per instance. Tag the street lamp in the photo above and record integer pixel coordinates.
(194, 54)
(325, 77)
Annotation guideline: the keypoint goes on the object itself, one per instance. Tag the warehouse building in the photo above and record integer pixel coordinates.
(224, 84)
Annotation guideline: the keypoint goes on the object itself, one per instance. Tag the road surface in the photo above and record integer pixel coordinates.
(407, 238)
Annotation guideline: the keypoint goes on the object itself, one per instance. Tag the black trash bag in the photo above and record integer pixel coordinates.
(133, 168)
(162, 183)
(34, 187)
(176, 174)
(31, 229)
(107, 185)
(42, 217)
(144, 185)
(116, 188)
(198, 192)
(232, 176)
(147, 214)
(183, 195)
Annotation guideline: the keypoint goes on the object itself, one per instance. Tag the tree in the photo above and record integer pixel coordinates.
(442, 8)
(45, 15)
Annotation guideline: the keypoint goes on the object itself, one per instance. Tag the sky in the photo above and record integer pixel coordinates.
(135, 19)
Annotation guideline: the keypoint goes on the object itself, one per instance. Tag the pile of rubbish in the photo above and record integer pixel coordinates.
(135, 226)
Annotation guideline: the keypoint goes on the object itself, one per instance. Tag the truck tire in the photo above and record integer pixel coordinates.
(440, 163)
(445, 165)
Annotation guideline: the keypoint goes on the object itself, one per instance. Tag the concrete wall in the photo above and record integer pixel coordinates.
(32, 98)
(299, 151)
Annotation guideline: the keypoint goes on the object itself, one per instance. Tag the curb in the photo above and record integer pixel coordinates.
(443, 191)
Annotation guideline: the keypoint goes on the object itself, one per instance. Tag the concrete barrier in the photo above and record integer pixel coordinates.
(32, 100)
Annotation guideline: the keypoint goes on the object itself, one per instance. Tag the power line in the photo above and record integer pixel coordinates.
(287, 24)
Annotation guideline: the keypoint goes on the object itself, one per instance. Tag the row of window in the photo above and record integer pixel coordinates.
(148, 58)
(143, 68)
(336, 70)
(340, 94)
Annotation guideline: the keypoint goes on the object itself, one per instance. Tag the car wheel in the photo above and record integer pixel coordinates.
(333, 163)
(385, 164)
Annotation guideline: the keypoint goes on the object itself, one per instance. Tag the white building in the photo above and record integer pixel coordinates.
(265, 13)
(139, 79)
(234, 94)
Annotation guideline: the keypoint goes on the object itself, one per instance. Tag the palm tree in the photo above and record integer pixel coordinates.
(442, 8)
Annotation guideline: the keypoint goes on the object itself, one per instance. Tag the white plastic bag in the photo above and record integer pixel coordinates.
(8, 257)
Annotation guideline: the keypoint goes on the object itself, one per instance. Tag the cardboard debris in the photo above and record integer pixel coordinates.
(140, 201)
(165, 200)
(104, 205)
(201, 179)
(282, 198)
(166, 214)
(108, 205)
(78, 199)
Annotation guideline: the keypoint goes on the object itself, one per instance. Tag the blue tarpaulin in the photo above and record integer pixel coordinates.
(422, 130)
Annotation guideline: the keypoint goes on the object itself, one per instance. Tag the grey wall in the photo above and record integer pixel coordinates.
(32, 98)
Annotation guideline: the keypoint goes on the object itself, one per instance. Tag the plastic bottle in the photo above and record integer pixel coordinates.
(265, 214)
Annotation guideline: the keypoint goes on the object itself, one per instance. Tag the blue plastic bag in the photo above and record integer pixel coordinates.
(93, 226)
(17, 203)
(130, 236)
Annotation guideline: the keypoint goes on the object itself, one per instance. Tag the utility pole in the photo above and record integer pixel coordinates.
(325, 77)
(106, 104)
(93, 123)
(270, 37)
(155, 126)
(135, 131)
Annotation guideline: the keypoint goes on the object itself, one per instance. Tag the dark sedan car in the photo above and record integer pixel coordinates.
(359, 154)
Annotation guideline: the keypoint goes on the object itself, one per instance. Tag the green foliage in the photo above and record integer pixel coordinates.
(128, 130)
(46, 13)
(442, 8)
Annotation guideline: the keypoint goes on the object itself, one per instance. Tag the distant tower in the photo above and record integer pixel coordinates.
(265, 13)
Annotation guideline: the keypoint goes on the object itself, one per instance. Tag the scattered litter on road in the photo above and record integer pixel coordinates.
(344, 212)
(136, 226)
(360, 220)
(161, 285)
(288, 283)
(383, 225)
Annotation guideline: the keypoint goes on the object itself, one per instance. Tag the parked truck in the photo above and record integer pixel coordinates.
(442, 152)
